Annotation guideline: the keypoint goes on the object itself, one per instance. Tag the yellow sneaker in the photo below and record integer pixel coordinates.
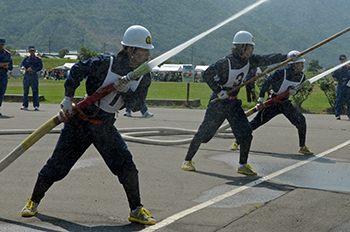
(246, 169)
(306, 150)
(234, 146)
(30, 209)
(188, 166)
(141, 215)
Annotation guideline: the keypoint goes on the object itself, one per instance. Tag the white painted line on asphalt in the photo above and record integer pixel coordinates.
(203, 205)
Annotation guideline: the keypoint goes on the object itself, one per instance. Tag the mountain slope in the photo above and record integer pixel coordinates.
(278, 26)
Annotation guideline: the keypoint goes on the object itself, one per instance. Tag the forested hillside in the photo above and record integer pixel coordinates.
(278, 25)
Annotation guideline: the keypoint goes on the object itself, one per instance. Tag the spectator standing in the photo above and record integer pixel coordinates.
(341, 79)
(5, 65)
(31, 64)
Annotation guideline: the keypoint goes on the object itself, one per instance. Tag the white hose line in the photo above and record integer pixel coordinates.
(25, 131)
(160, 59)
(134, 134)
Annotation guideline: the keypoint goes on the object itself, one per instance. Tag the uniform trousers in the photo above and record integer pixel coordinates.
(75, 138)
(215, 115)
(3, 86)
(343, 92)
(31, 80)
(286, 108)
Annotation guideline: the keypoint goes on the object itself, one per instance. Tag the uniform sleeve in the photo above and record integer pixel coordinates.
(23, 62)
(91, 68)
(335, 74)
(38, 65)
(265, 60)
(348, 72)
(268, 82)
(10, 60)
(220, 70)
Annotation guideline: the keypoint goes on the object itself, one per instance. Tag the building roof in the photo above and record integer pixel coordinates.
(172, 67)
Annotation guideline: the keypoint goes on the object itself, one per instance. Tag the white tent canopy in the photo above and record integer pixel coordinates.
(172, 67)
(69, 65)
(155, 69)
(200, 68)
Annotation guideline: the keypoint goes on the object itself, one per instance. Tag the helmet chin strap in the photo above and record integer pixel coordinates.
(297, 69)
(244, 53)
(241, 50)
(133, 58)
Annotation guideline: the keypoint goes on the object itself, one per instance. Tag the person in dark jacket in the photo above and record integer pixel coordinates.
(281, 80)
(5, 66)
(342, 81)
(223, 76)
(95, 124)
(32, 64)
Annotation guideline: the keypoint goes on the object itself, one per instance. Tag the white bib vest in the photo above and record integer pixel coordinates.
(112, 102)
(236, 76)
(286, 84)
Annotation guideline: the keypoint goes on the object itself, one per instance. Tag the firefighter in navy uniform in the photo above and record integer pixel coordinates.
(341, 79)
(281, 80)
(223, 76)
(5, 66)
(94, 125)
(32, 64)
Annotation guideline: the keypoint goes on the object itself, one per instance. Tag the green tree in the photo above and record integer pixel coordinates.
(302, 95)
(12, 50)
(326, 84)
(85, 54)
(63, 52)
(314, 66)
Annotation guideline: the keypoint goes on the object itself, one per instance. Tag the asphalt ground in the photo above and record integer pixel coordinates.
(292, 192)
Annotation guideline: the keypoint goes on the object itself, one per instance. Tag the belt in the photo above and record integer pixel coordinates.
(94, 121)
(232, 98)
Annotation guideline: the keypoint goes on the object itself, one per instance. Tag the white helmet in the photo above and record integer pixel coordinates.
(243, 37)
(137, 36)
(295, 53)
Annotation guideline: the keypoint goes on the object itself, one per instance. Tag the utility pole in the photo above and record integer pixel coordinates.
(192, 54)
(50, 41)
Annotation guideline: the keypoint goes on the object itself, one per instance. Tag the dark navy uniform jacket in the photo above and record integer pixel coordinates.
(34, 62)
(5, 57)
(276, 79)
(95, 70)
(220, 69)
(342, 75)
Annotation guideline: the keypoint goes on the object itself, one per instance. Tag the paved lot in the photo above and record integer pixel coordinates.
(292, 192)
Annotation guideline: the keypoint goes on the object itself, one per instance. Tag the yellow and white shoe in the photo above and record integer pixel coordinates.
(306, 150)
(30, 209)
(234, 146)
(141, 215)
(246, 169)
(188, 166)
